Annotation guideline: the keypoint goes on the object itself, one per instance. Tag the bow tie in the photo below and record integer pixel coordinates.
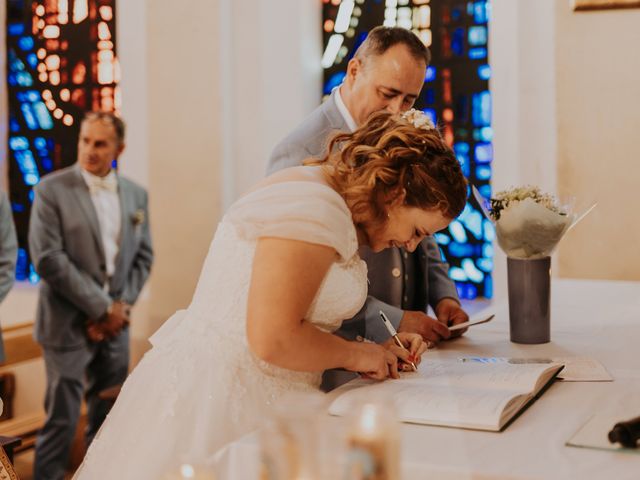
(108, 183)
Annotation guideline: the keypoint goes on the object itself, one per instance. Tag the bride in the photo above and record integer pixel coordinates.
(282, 273)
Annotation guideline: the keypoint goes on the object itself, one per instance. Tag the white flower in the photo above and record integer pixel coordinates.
(529, 223)
(418, 119)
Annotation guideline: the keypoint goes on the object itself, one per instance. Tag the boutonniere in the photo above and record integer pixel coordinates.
(138, 217)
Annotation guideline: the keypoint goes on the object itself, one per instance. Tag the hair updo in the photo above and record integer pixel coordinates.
(391, 153)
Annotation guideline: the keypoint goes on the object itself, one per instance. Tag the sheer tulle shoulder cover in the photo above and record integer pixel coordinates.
(298, 210)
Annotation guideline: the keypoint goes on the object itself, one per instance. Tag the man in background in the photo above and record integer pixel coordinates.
(8, 254)
(90, 242)
(386, 73)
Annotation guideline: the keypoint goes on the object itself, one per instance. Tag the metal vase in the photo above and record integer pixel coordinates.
(529, 299)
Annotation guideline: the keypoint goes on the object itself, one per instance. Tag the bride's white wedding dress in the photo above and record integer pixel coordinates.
(200, 386)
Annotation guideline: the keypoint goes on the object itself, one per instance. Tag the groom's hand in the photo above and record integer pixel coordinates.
(450, 313)
(430, 329)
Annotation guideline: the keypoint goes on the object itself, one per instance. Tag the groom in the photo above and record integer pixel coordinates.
(89, 240)
(386, 73)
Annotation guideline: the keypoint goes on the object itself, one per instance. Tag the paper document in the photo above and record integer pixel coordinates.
(470, 323)
(576, 369)
(594, 434)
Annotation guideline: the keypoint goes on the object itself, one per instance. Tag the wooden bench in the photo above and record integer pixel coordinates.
(24, 427)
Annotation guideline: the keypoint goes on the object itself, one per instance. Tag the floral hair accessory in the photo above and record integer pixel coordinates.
(418, 119)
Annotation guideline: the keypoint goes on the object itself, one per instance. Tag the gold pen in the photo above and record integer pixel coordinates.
(394, 334)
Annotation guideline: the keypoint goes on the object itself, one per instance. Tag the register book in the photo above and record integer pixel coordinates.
(455, 393)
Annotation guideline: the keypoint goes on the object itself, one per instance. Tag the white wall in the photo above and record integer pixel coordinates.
(522, 57)
(598, 112)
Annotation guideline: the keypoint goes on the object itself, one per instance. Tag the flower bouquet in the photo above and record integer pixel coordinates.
(529, 225)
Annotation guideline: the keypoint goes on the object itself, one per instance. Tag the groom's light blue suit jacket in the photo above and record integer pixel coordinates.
(66, 249)
(386, 277)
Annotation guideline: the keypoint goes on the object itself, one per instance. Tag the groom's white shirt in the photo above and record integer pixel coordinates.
(344, 111)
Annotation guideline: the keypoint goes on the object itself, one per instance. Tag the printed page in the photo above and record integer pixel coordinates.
(495, 375)
(419, 402)
(576, 369)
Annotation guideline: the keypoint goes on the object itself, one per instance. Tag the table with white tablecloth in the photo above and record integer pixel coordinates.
(597, 319)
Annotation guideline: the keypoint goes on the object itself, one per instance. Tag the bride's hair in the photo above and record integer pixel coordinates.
(371, 166)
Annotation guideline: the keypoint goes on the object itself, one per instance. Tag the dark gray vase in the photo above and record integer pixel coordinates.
(529, 299)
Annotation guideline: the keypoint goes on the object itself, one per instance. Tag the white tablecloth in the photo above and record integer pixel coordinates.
(598, 319)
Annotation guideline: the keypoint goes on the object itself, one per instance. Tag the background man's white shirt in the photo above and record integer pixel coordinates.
(104, 195)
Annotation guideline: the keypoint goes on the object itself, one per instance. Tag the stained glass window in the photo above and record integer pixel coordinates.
(456, 95)
(61, 62)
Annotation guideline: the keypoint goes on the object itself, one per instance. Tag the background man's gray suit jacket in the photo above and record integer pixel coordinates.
(66, 249)
(8, 253)
(310, 139)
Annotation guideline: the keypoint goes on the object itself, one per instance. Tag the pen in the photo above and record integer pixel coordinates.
(394, 334)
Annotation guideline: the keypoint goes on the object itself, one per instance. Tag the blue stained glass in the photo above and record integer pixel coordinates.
(485, 264)
(442, 239)
(28, 167)
(487, 249)
(33, 276)
(462, 108)
(461, 147)
(461, 249)
(481, 109)
(489, 230)
(477, 35)
(485, 190)
(488, 286)
(483, 172)
(16, 65)
(468, 291)
(473, 222)
(431, 113)
(31, 179)
(465, 164)
(32, 59)
(15, 29)
(27, 113)
(480, 13)
(26, 43)
(17, 207)
(40, 143)
(12, 80)
(32, 194)
(456, 13)
(484, 134)
(18, 143)
(477, 53)
(335, 80)
(32, 96)
(483, 152)
(430, 75)
(44, 117)
(457, 41)
(457, 231)
(484, 72)
(24, 79)
(429, 96)
(46, 163)
(14, 126)
(22, 264)
(457, 274)
(475, 275)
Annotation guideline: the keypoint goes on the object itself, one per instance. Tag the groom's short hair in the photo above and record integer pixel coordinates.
(107, 117)
(381, 39)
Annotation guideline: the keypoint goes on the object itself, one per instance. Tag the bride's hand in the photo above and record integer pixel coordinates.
(414, 344)
(373, 361)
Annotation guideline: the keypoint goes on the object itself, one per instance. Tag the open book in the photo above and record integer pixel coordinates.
(480, 396)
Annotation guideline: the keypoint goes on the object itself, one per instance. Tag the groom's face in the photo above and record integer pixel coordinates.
(391, 81)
